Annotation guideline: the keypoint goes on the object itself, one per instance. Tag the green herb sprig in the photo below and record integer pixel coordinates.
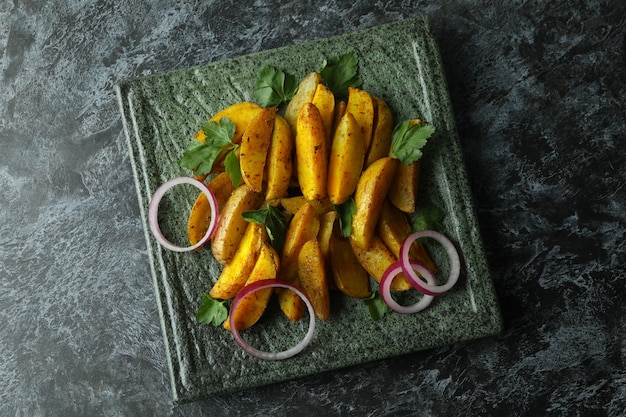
(274, 87)
(274, 221)
(407, 140)
(211, 311)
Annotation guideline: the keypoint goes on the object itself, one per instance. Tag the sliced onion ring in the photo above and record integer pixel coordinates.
(260, 285)
(385, 288)
(453, 255)
(153, 210)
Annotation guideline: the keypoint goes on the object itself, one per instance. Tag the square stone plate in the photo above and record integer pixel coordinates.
(399, 62)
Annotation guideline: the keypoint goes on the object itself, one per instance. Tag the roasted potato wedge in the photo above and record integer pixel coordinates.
(304, 94)
(279, 160)
(324, 236)
(200, 215)
(346, 271)
(311, 153)
(231, 225)
(255, 144)
(393, 227)
(236, 272)
(381, 136)
(370, 194)
(340, 110)
(312, 277)
(303, 227)
(240, 113)
(253, 305)
(361, 105)
(346, 160)
(403, 190)
(324, 100)
(376, 259)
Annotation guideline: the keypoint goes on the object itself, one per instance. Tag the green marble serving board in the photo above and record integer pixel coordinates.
(399, 62)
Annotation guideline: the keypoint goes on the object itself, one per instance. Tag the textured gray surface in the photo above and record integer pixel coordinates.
(539, 94)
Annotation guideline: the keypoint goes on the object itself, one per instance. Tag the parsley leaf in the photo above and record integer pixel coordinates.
(408, 139)
(339, 73)
(233, 168)
(428, 217)
(376, 306)
(199, 156)
(346, 211)
(274, 87)
(274, 221)
(211, 311)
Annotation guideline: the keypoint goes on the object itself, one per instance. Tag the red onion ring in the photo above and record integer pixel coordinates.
(260, 285)
(385, 288)
(153, 210)
(453, 255)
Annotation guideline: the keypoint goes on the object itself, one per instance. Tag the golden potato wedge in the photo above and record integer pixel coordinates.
(313, 279)
(393, 228)
(383, 128)
(303, 227)
(240, 113)
(376, 259)
(200, 215)
(346, 160)
(370, 194)
(253, 305)
(361, 105)
(304, 94)
(311, 153)
(231, 225)
(255, 144)
(279, 160)
(324, 236)
(324, 100)
(346, 271)
(293, 204)
(236, 272)
(403, 190)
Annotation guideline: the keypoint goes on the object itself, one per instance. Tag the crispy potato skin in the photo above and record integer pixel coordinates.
(346, 271)
(255, 144)
(403, 191)
(370, 195)
(231, 225)
(236, 272)
(311, 153)
(324, 100)
(346, 160)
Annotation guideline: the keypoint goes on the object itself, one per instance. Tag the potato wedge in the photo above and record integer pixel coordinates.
(346, 160)
(393, 227)
(253, 305)
(293, 204)
(381, 136)
(403, 190)
(324, 100)
(236, 272)
(313, 279)
(340, 110)
(231, 225)
(347, 273)
(311, 153)
(376, 259)
(279, 163)
(303, 227)
(325, 234)
(361, 105)
(255, 144)
(370, 194)
(200, 215)
(241, 114)
(304, 94)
